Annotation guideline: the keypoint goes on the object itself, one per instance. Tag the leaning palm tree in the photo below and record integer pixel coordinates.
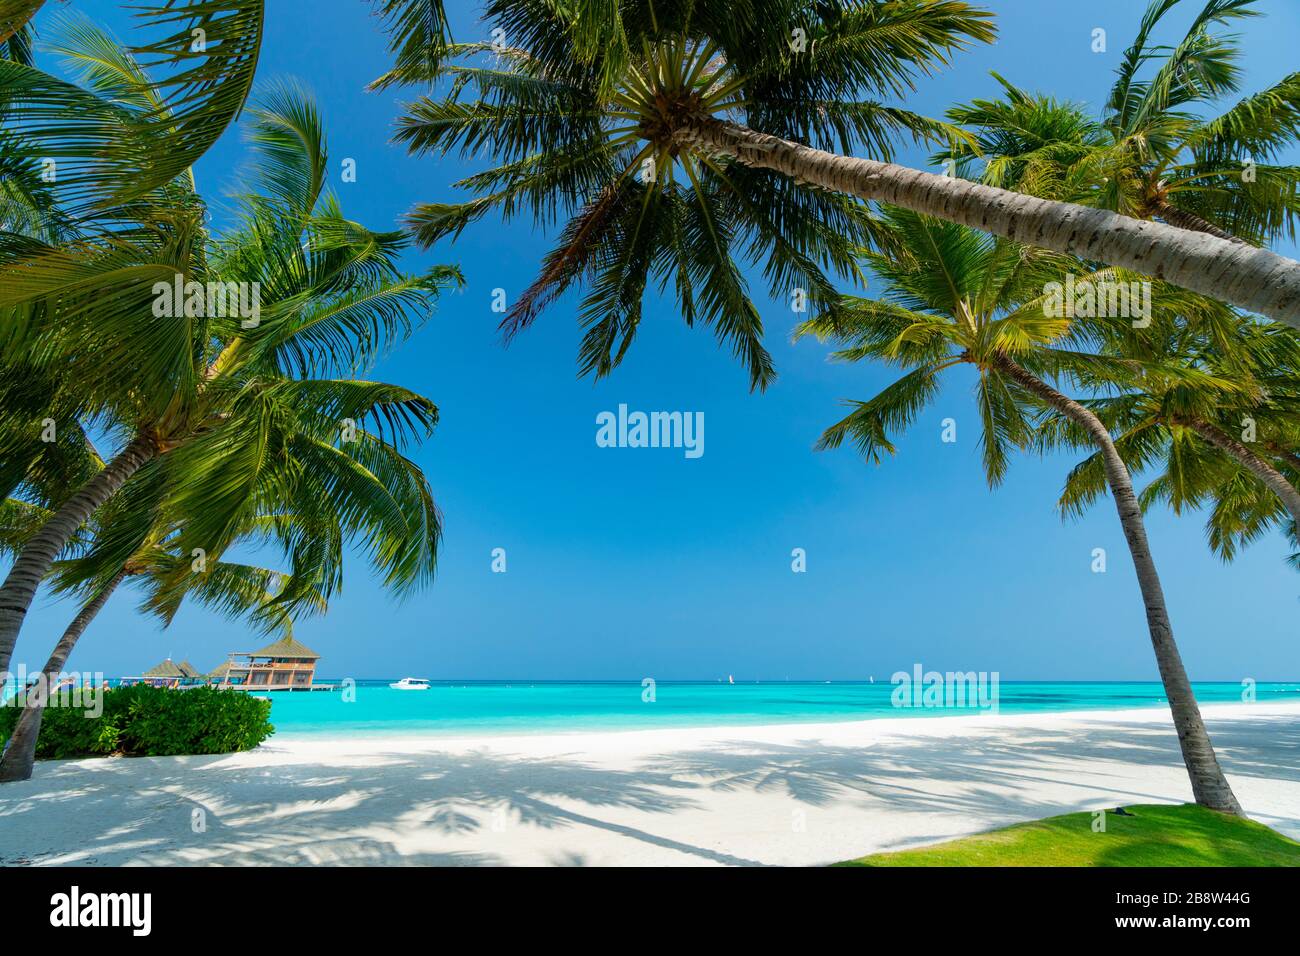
(232, 588)
(308, 506)
(200, 393)
(16, 18)
(668, 135)
(315, 488)
(305, 512)
(105, 154)
(16, 29)
(957, 297)
(199, 58)
(1150, 156)
(1186, 473)
(1242, 510)
(1210, 409)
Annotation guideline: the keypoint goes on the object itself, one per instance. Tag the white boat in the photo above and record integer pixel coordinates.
(411, 683)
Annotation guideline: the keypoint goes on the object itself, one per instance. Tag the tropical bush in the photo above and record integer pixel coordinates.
(146, 721)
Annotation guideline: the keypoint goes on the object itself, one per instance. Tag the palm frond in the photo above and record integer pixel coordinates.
(208, 62)
(288, 136)
(895, 407)
(419, 37)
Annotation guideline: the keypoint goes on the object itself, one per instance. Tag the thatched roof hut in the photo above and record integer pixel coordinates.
(287, 647)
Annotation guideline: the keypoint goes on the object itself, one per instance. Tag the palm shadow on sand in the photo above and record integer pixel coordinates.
(303, 812)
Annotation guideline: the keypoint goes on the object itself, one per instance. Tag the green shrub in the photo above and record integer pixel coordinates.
(146, 721)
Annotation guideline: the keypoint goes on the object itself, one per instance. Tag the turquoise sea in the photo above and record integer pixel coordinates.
(469, 708)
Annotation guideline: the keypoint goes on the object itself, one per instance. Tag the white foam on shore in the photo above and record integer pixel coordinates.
(800, 793)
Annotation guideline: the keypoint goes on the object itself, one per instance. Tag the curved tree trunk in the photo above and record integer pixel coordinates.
(1209, 785)
(17, 16)
(1262, 470)
(1254, 279)
(1278, 451)
(20, 754)
(1189, 220)
(33, 563)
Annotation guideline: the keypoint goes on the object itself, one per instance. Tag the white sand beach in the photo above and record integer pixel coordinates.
(795, 794)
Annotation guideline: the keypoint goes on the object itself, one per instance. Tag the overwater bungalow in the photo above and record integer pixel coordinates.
(219, 674)
(285, 664)
(168, 674)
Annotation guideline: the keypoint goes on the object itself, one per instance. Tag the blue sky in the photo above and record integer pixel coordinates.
(625, 563)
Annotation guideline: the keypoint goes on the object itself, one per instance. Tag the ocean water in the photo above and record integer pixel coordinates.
(471, 708)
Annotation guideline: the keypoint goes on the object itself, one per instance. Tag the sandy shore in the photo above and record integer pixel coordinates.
(790, 794)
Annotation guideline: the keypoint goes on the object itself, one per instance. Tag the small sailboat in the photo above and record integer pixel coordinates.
(730, 679)
(411, 683)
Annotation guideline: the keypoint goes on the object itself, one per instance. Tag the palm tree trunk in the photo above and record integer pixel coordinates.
(39, 553)
(1290, 457)
(1265, 472)
(1209, 785)
(1254, 279)
(20, 754)
(1189, 220)
(19, 19)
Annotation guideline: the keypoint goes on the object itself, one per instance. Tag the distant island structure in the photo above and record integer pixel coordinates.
(169, 674)
(285, 664)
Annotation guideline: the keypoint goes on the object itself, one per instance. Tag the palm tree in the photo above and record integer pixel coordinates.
(663, 133)
(1179, 403)
(16, 17)
(202, 55)
(200, 394)
(316, 493)
(235, 589)
(314, 488)
(1242, 510)
(1148, 156)
(381, 501)
(16, 29)
(107, 154)
(295, 508)
(958, 297)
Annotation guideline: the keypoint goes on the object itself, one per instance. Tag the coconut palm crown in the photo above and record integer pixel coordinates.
(1165, 147)
(211, 401)
(197, 60)
(1210, 414)
(958, 297)
(581, 112)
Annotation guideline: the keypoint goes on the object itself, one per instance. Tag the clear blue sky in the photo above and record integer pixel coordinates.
(625, 563)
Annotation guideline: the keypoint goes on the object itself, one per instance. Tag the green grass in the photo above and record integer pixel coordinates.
(1155, 835)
